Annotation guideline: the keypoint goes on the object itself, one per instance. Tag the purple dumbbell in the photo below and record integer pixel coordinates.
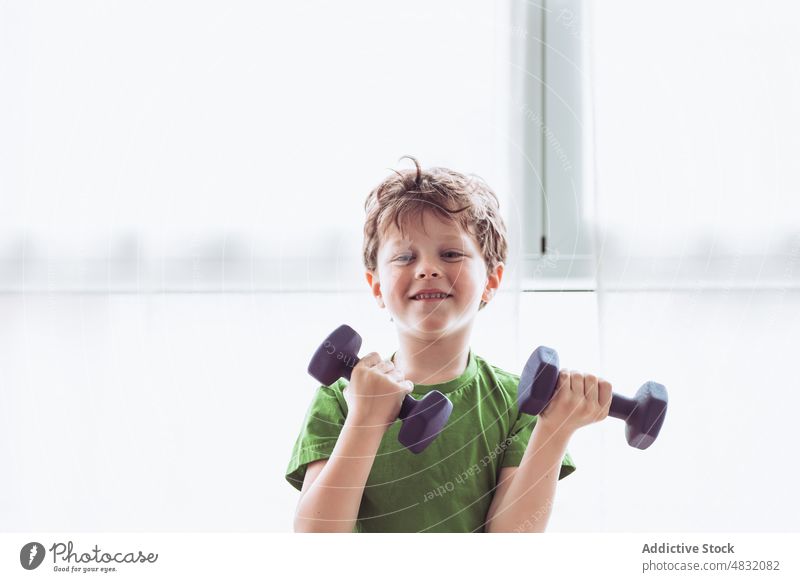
(422, 419)
(644, 414)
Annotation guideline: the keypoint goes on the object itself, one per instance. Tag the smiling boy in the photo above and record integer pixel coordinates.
(434, 252)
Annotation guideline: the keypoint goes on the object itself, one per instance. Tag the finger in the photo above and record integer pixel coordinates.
(371, 359)
(590, 387)
(400, 378)
(384, 366)
(563, 380)
(576, 383)
(604, 393)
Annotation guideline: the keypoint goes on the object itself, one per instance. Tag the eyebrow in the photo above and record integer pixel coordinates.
(404, 243)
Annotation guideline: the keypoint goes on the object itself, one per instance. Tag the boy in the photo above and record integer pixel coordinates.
(434, 252)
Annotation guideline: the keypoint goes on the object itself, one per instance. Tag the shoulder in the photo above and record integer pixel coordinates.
(503, 386)
(335, 388)
(331, 396)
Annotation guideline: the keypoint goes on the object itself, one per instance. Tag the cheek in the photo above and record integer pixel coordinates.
(394, 285)
(468, 279)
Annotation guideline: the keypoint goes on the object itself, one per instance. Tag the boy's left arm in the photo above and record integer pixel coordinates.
(524, 496)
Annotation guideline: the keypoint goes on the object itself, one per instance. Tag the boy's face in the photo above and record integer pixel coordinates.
(434, 254)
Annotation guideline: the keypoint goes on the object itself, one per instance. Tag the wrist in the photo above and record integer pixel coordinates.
(364, 425)
(551, 432)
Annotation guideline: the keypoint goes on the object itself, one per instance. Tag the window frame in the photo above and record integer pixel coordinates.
(556, 188)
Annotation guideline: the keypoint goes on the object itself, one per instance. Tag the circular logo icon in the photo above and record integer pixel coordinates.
(31, 555)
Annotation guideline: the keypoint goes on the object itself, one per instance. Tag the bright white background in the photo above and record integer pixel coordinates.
(137, 134)
(131, 134)
(697, 131)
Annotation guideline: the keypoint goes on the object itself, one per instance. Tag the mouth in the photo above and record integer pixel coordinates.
(431, 297)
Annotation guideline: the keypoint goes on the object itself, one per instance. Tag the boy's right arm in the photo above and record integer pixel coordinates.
(333, 487)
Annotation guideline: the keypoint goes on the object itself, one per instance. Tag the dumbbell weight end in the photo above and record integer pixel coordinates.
(643, 414)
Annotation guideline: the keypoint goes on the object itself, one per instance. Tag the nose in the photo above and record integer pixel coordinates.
(427, 270)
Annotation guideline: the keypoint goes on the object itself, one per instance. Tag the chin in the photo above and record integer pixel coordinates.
(438, 326)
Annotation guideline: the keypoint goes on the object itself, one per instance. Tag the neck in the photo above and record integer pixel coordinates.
(433, 361)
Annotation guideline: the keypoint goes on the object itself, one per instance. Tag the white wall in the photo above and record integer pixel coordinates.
(179, 411)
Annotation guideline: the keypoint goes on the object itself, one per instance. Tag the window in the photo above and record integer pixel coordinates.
(697, 129)
(232, 147)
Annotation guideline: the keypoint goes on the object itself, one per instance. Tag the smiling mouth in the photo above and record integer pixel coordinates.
(431, 297)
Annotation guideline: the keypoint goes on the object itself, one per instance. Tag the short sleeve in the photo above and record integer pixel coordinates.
(318, 436)
(518, 441)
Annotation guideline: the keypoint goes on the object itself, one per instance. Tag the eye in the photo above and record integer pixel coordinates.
(454, 254)
(447, 254)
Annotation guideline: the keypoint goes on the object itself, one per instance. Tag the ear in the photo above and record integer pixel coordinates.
(375, 286)
(493, 282)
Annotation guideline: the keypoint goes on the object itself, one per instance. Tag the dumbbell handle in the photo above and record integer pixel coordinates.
(422, 419)
(643, 414)
(530, 402)
(621, 406)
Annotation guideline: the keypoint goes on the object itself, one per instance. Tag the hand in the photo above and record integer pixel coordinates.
(375, 392)
(578, 401)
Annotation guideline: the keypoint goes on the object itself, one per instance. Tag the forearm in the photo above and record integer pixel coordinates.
(528, 501)
(332, 502)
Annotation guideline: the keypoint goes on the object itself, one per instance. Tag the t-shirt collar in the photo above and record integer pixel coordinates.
(466, 376)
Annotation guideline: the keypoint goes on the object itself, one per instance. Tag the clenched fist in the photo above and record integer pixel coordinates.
(375, 392)
(577, 401)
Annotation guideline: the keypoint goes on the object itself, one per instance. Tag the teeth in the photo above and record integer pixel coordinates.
(431, 296)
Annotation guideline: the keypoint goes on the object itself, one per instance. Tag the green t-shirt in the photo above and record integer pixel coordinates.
(449, 486)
